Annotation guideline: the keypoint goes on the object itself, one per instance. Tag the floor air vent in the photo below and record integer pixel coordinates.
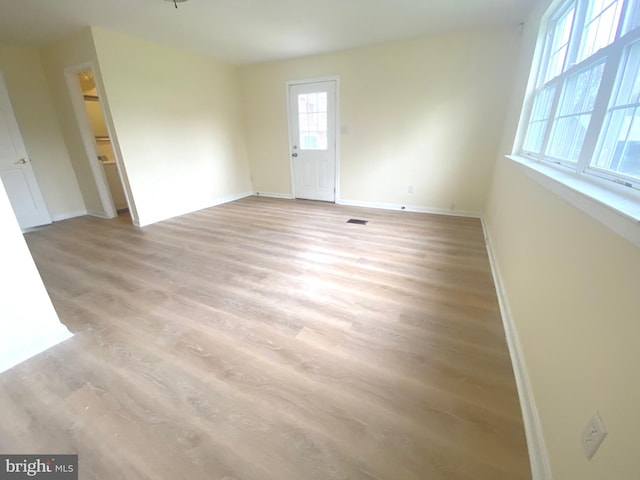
(357, 222)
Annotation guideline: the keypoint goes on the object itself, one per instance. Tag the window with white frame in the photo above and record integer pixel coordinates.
(584, 113)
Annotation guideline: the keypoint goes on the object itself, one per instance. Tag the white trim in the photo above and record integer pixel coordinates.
(68, 215)
(538, 456)
(216, 202)
(292, 184)
(230, 198)
(288, 196)
(616, 207)
(408, 208)
(96, 213)
(338, 137)
(88, 141)
(534, 68)
(117, 154)
(288, 84)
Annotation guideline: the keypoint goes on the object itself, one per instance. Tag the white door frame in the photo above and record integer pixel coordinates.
(289, 83)
(88, 140)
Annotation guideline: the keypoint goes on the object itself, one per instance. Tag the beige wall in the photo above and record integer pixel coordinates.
(178, 125)
(34, 110)
(572, 286)
(56, 57)
(573, 289)
(427, 113)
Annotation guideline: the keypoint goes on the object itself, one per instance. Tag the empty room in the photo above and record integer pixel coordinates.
(353, 239)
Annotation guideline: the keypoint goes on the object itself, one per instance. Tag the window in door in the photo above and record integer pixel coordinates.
(312, 121)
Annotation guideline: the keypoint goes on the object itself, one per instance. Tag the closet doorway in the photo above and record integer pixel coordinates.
(103, 144)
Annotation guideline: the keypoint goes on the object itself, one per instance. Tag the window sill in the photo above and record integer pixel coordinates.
(615, 206)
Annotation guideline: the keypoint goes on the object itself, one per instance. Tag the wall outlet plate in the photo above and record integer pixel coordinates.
(593, 435)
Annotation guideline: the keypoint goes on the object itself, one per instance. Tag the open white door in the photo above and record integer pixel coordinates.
(312, 120)
(15, 169)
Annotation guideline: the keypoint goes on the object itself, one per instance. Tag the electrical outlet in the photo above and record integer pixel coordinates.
(593, 435)
(410, 189)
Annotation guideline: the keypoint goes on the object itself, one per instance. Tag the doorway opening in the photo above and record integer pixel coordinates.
(103, 144)
(100, 146)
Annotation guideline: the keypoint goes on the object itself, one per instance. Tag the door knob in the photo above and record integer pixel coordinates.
(294, 154)
(22, 161)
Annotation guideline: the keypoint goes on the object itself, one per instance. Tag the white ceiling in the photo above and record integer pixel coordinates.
(247, 31)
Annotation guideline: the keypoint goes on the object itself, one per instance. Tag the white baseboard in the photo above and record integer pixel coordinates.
(384, 206)
(408, 208)
(68, 215)
(288, 196)
(95, 213)
(231, 198)
(538, 457)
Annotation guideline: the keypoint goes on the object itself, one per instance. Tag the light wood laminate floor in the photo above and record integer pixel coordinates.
(268, 339)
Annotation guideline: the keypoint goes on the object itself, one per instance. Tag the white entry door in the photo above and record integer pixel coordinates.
(312, 117)
(15, 169)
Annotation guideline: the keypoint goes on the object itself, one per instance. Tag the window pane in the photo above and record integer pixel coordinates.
(600, 27)
(303, 122)
(313, 121)
(539, 119)
(560, 34)
(567, 137)
(322, 102)
(629, 88)
(312, 102)
(579, 93)
(312, 125)
(619, 149)
(574, 113)
(633, 16)
(313, 140)
(308, 141)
